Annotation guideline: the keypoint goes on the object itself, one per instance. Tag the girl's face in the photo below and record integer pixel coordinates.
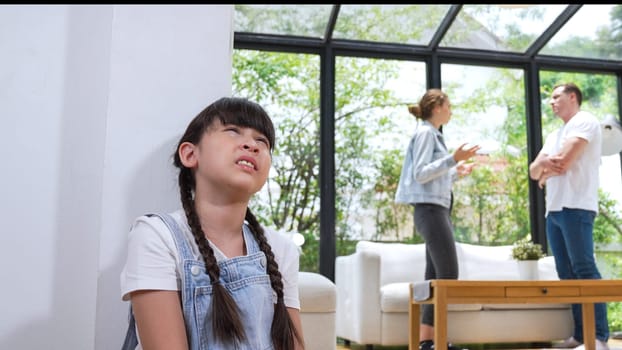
(231, 157)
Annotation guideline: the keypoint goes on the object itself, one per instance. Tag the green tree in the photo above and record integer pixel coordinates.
(606, 45)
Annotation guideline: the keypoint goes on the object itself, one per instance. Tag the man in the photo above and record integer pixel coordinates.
(568, 165)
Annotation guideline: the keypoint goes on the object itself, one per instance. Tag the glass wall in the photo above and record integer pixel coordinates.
(491, 206)
(287, 86)
(488, 58)
(372, 130)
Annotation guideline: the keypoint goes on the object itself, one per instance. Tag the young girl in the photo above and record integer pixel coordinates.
(208, 276)
(426, 180)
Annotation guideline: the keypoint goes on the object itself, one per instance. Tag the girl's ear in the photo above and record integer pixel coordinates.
(188, 155)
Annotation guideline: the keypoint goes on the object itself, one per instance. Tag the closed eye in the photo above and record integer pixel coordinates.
(264, 140)
(232, 129)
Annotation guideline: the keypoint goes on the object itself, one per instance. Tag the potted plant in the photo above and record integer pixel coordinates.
(527, 254)
(527, 250)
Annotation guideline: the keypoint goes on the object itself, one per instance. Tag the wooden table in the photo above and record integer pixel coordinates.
(444, 292)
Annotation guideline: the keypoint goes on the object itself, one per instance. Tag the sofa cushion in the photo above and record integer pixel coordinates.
(408, 257)
(477, 262)
(394, 297)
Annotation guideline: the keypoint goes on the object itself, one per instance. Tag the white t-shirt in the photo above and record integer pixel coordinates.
(578, 187)
(152, 261)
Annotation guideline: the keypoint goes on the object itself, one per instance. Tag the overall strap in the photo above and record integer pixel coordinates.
(183, 248)
(252, 246)
(131, 339)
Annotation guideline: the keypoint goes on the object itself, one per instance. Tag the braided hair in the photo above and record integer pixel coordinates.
(227, 324)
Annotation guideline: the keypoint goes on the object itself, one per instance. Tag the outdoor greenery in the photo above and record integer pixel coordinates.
(372, 126)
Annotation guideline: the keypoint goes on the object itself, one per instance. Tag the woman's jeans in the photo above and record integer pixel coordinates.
(570, 236)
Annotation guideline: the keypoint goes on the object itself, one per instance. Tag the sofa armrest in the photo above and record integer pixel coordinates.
(357, 278)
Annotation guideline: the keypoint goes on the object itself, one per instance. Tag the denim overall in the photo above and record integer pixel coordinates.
(244, 277)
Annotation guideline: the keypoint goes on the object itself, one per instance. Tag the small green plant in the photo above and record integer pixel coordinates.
(527, 250)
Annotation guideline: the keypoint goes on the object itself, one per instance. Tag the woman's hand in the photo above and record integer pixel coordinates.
(464, 169)
(462, 153)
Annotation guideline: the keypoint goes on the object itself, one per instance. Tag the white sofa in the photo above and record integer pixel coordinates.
(317, 311)
(373, 295)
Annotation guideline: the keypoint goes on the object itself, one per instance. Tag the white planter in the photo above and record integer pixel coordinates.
(527, 269)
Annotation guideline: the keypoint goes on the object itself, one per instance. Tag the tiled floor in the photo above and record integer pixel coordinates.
(614, 344)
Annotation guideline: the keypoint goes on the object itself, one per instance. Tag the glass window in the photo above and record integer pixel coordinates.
(406, 24)
(372, 131)
(595, 31)
(373, 126)
(301, 20)
(488, 105)
(287, 86)
(500, 27)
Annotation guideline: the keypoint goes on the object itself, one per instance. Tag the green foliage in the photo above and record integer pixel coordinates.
(290, 19)
(361, 115)
(478, 20)
(606, 45)
(610, 264)
(608, 223)
(391, 219)
(309, 256)
(599, 93)
(389, 22)
(491, 205)
(614, 38)
(614, 316)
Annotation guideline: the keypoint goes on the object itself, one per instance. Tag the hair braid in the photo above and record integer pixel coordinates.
(282, 331)
(226, 322)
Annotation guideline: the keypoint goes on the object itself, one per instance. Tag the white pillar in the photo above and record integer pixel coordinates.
(92, 101)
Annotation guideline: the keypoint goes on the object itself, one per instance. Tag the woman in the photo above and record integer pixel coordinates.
(427, 176)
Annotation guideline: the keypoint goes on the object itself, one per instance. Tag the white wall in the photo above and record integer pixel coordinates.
(92, 101)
